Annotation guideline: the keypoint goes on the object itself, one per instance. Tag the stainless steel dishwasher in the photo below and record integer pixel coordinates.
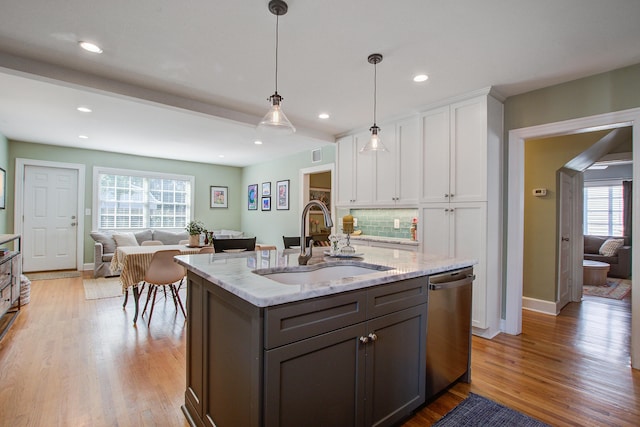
(448, 329)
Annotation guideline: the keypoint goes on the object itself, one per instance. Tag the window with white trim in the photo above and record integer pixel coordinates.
(603, 208)
(127, 199)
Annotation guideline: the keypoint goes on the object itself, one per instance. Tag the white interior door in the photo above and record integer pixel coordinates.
(50, 211)
(565, 204)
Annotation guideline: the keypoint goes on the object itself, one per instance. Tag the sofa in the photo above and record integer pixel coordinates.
(105, 245)
(620, 261)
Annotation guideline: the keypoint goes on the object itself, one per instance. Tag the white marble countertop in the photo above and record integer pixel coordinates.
(384, 239)
(234, 272)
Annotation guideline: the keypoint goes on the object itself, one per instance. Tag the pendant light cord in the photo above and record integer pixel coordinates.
(277, 21)
(375, 89)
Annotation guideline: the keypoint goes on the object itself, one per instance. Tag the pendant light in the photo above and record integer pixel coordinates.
(275, 119)
(374, 143)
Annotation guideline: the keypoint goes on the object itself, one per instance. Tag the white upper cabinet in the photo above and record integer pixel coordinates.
(397, 174)
(355, 171)
(455, 148)
(377, 179)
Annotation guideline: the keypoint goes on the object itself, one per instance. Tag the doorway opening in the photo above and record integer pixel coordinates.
(515, 212)
(317, 184)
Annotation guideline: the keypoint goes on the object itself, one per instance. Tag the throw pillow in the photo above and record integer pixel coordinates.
(104, 237)
(125, 239)
(610, 247)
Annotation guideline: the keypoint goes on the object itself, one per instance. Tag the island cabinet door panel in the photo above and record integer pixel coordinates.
(195, 338)
(396, 365)
(317, 382)
(233, 360)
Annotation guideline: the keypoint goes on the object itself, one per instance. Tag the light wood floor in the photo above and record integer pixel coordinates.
(71, 362)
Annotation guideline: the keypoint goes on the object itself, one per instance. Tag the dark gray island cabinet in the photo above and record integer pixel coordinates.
(355, 358)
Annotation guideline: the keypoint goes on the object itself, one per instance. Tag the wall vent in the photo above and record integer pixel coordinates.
(316, 155)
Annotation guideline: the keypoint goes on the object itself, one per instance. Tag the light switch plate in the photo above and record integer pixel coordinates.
(396, 223)
(355, 222)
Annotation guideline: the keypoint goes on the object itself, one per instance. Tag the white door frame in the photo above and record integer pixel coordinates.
(515, 210)
(18, 214)
(304, 187)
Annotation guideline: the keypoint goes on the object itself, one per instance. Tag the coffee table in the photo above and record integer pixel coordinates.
(595, 272)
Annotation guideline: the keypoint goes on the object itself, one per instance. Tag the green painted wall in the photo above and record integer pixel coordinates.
(205, 176)
(615, 90)
(4, 164)
(543, 158)
(270, 226)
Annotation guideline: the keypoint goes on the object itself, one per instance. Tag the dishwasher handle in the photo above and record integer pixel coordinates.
(454, 284)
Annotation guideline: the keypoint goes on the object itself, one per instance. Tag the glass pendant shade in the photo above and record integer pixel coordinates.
(275, 120)
(374, 143)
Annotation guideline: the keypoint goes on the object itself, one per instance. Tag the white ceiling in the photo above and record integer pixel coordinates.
(189, 80)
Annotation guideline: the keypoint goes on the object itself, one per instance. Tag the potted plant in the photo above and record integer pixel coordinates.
(194, 228)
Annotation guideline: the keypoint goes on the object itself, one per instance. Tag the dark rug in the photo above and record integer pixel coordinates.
(479, 411)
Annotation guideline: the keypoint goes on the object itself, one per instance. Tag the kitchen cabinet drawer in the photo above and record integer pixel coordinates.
(397, 296)
(287, 323)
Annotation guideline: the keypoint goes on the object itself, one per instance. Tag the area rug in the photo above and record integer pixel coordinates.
(479, 411)
(102, 288)
(614, 289)
(49, 275)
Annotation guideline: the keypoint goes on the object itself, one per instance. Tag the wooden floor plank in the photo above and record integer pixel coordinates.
(67, 361)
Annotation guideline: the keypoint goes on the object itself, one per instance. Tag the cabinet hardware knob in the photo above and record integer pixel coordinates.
(364, 340)
(446, 195)
(73, 224)
(451, 195)
(373, 336)
(565, 239)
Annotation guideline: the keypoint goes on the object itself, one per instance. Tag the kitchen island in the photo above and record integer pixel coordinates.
(346, 351)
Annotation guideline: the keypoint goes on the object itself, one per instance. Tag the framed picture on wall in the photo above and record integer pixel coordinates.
(218, 197)
(266, 188)
(282, 194)
(252, 197)
(266, 203)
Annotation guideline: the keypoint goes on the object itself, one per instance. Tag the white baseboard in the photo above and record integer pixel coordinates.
(88, 267)
(484, 333)
(541, 306)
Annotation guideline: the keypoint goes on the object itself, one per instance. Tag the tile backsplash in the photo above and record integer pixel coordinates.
(379, 222)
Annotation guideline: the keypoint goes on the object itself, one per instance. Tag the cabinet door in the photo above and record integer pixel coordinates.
(470, 241)
(386, 166)
(346, 172)
(468, 174)
(316, 382)
(436, 234)
(194, 394)
(364, 163)
(408, 155)
(435, 156)
(396, 365)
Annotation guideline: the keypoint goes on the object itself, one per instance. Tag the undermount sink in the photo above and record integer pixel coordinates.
(309, 274)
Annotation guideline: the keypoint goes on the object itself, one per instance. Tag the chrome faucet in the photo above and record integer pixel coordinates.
(306, 253)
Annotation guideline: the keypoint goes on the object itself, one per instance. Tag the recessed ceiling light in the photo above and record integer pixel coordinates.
(83, 137)
(258, 142)
(84, 109)
(221, 156)
(90, 47)
(420, 78)
(323, 116)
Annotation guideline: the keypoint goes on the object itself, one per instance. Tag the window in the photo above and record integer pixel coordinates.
(126, 199)
(603, 207)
